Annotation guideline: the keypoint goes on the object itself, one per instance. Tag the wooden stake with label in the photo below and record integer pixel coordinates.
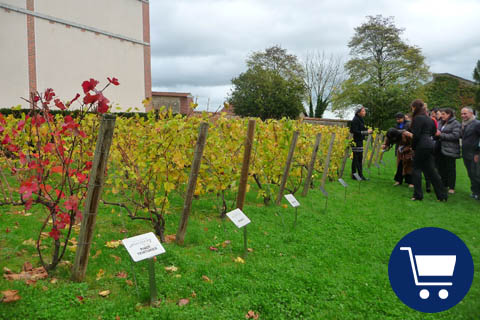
(286, 172)
(242, 188)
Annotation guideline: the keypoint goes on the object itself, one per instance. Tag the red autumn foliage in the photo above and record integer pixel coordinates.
(48, 158)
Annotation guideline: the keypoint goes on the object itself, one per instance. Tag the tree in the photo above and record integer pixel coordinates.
(272, 86)
(323, 75)
(476, 77)
(385, 73)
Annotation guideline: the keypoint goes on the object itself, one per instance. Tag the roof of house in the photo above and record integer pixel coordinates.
(446, 74)
(172, 94)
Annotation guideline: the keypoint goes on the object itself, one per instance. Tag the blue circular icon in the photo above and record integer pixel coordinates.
(430, 270)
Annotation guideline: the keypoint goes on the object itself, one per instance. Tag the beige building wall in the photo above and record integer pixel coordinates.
(13, 58)
(116, 16)
(68, 56)
(62, 56)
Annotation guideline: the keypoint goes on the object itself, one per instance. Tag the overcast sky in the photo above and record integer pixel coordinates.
(198, 46)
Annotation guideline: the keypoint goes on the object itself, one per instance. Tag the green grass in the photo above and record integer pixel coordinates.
(332, 266)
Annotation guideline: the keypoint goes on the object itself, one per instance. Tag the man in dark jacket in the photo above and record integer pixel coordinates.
(359, 132)
(471, 149)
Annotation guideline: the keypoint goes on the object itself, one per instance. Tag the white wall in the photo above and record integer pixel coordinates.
(13, 57)
(116, 16)
(68, 56)
(16, 3)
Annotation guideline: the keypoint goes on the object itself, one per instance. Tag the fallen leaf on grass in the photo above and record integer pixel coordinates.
(44, 235)
(207, 279)
(27, 266)
(7, 230)
(171, 269)
(178, 276)
(30, 274)
(96, 254)
(129, 282)
(194, 294)
(30, 282)
(10, 296)
(104, 293)
(183, 302)
(44, 288)
(239, 260)
(123, 231)
(65, 263)
(117, 259)
(251, 315)
(169, 238)
(121, 275)
(53, 281)
(226, 243)
(250, 250)
(29, 242)
(100, 274)
(284, 206)
(213, 248)
(113, 244)
(80, 298)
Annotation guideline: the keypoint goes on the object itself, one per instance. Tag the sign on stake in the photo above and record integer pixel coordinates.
(145, 246)
(325, 193)
(240, 220)
(295, 204)
(345, 186)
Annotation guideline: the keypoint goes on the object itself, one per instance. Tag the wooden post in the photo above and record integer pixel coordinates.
(286, 172)
(345, 157)
(242, 187)
(365, 151)
(311, 165)
(327, 160)
(379, 151)
(97, 177)
(192, 182)
(374, 150)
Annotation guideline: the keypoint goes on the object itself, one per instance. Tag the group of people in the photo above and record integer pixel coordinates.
(428, 142)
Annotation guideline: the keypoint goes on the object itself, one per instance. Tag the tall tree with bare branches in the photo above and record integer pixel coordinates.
(323, 75)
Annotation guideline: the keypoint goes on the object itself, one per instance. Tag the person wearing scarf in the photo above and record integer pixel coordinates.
(359, 132)
(471, 149)
(448, 148)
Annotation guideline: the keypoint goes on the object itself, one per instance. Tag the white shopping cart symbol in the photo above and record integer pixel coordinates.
(432, 266)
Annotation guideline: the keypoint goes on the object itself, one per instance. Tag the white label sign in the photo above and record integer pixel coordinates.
(143, 247)
(293, 202)
(238, 218)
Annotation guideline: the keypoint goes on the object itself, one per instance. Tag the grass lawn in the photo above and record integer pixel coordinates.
(332, 266)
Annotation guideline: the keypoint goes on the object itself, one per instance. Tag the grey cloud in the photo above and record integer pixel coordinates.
(202, 44)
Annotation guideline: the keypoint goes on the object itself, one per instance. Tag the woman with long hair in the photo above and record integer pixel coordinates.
(448, 148)
(423, 130)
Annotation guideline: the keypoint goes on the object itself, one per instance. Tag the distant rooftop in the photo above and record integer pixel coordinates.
(171, 94)
(446, 74)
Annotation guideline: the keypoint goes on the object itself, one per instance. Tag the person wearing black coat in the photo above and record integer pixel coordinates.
(423, 129)
(402, 124)
(359, 131)
(448, 148)
(471, 149)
